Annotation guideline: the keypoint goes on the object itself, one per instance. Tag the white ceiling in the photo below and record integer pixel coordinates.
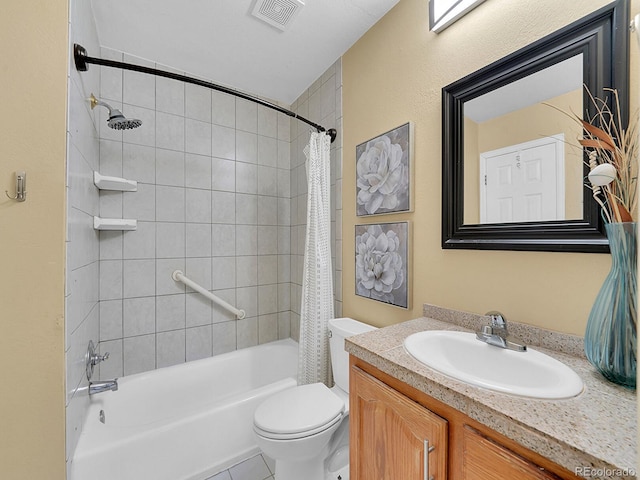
(222, 42)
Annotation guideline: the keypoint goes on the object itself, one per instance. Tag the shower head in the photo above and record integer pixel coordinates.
(116, 120)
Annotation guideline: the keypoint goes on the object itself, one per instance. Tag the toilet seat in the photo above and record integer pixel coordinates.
(298, 412)
(297, 435)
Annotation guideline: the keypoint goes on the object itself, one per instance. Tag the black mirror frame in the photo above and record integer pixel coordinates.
(603, 38)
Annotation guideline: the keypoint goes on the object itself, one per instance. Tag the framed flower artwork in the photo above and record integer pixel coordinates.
(383, 173)
(382, 262)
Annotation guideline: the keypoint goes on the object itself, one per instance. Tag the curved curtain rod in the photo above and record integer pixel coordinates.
(82, 59)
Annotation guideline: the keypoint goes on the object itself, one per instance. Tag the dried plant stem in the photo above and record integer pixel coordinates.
(619, 147)
(609, 142)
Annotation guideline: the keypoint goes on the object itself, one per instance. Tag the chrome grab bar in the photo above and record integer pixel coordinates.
(178, 276)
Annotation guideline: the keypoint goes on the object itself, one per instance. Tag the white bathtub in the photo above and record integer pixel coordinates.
(185, 422)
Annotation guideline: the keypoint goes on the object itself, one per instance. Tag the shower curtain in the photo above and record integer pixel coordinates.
(314, 363)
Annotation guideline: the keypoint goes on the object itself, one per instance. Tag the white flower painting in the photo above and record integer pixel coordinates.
(382, 173)
(381, 262)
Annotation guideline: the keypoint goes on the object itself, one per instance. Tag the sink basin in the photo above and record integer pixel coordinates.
(461, 356)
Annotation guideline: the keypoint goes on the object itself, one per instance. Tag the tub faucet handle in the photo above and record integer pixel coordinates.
(92, 359)
(96, 359)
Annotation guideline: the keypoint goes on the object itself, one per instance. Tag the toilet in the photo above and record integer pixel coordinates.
(305, 429)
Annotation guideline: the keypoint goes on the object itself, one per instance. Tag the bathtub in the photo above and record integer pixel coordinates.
(185, 422)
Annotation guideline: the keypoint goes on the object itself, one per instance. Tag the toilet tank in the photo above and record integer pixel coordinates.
(339, 329)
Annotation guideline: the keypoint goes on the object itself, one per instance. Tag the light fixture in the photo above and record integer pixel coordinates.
(443, 13)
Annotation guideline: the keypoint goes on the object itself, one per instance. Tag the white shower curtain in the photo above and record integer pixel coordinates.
(314, 364)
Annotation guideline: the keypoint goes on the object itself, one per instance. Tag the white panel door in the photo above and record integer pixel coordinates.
(523, 183)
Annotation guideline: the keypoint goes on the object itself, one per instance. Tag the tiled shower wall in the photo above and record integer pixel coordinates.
(82, 247)
(213, 200)
(322, 104)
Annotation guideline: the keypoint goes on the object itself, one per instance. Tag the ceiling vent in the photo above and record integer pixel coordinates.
(277, 13)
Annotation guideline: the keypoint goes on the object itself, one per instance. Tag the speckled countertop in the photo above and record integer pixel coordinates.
(595, 430)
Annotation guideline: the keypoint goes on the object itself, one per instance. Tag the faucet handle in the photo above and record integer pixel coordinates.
(487, 330)
(96, 359)
(497, 319)
(92, 359)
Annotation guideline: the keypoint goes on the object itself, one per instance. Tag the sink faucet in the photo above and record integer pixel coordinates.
(99, 387)
(496, 334)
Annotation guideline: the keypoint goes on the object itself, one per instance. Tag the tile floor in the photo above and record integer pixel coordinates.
(259, 467)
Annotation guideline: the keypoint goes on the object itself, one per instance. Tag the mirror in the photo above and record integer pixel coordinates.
(513, 172)
(521, 161)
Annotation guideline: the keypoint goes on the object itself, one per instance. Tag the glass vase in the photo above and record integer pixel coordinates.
(610, 338)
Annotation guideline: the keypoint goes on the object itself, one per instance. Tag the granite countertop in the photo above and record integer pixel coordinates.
(596, 430)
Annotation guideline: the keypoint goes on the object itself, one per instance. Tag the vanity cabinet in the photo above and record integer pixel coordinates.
(393, 437)
(395, 428)
(485, 458)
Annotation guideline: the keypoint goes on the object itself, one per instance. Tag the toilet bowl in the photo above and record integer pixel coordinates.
(305, 429)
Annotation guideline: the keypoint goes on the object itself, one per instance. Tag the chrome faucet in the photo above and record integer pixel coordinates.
(496, 334)
(99, 387)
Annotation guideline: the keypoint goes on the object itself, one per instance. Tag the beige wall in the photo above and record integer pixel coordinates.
(471, 172)
(533, 123)
(395, 74)
(33, 73)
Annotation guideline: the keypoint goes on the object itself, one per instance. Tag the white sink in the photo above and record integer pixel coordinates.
(461, 356)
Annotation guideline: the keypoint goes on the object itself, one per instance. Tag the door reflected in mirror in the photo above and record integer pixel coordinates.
(522, 161)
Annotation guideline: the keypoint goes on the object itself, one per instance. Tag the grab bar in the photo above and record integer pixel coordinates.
(178, 276)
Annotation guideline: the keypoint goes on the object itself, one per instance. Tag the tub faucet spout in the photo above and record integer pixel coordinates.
(99, 387)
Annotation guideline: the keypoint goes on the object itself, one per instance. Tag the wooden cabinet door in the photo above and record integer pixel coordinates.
(483, 458)
(393, 437)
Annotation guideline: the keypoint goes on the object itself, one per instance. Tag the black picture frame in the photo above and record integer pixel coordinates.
(603, 39)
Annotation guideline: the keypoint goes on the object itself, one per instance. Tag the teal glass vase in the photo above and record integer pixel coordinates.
(610, 339)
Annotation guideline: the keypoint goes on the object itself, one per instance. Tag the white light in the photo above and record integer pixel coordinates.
(444, 12)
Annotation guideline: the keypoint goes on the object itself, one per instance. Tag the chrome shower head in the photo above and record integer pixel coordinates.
(116, 120)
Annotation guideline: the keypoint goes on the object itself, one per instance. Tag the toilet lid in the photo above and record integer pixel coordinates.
(299, 409)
